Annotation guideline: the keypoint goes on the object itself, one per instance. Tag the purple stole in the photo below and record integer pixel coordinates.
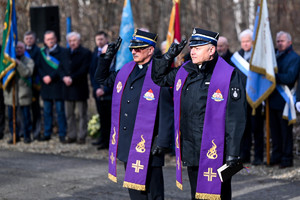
(138, 159)
(213, 137)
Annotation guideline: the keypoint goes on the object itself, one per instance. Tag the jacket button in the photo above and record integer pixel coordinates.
(124, 128)
(125, 114)
(128, 101)
(131, 87)
(187, 88)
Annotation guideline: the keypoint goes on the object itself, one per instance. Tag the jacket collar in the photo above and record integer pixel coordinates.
(75, 50)
(207, 67)
(55, 49)
(288, 50)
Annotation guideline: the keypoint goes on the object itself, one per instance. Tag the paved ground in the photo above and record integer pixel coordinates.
(33, 176)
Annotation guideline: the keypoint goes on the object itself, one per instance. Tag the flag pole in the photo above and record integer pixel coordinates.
(14, 111)
(268, 131)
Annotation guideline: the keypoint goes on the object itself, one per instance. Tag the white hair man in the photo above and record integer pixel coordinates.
(288, 63)
(76, 90)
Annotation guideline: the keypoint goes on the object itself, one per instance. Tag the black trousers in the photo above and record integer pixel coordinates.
(2, 114)
(154, 185)
(282, 139)
(193, 176)
(104, 110)
(36, 117)
(254, 127)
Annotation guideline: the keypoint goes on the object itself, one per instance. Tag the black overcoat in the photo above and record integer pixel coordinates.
(54, 90)
(78, 70)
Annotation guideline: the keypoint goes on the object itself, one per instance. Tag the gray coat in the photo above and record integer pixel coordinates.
(23, 89)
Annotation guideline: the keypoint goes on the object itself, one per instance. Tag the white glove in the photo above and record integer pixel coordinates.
(298, 106)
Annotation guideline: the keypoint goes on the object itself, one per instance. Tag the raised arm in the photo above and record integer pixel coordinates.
(162, 74)
(103, 76)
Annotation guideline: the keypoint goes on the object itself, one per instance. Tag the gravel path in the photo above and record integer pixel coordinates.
(90, 152)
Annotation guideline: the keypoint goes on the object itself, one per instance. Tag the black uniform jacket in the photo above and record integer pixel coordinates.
(193, 104)
(94, 83)
(129, 106)
(78, 70)
(54, 90)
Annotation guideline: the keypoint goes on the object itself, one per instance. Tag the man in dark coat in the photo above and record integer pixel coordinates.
(288, 62)
(76, 90)
(142, 47)
(194, 98)
(34, 51)
(102, 94)
(54, 60)
(223, 49)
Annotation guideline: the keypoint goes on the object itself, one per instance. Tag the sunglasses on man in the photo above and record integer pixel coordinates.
(138, 49)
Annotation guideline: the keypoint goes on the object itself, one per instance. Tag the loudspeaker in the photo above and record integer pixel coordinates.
(43, 19)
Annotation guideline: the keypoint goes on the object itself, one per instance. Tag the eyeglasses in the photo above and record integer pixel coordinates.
(137, 49)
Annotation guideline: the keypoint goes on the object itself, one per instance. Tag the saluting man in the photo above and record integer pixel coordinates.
(209, 112)
(134, 127)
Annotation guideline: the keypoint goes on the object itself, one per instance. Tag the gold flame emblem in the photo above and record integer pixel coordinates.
(113, 140)
(140, 147)
(177, 143)
(212, 152)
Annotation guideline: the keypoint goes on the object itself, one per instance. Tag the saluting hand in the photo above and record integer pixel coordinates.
(175, 50)
(113, 48)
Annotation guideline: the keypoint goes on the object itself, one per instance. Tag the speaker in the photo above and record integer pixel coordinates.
(43, 19)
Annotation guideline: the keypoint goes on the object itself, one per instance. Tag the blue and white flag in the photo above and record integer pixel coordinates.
(126, 31)
(240, 63)
(289, 111)
(261, 76)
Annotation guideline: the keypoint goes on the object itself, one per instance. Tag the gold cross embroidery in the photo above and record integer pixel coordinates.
(112, 158)
(178, 164)
(137, 166)
(210, 174)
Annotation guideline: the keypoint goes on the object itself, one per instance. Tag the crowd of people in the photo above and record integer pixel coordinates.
(198, 110)
(59, 76)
